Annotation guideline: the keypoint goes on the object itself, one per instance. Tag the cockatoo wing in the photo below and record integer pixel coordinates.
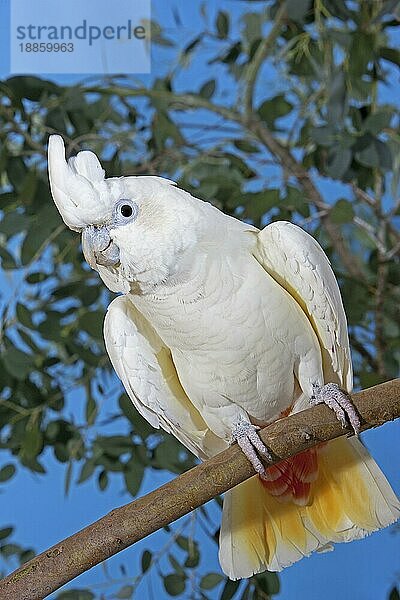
(349, 495)
(298, 263)
(145, 367)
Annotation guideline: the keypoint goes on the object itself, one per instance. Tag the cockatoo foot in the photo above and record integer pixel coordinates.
(339, 401)
(245, 434)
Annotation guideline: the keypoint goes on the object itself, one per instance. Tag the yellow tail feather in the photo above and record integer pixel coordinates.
(350, 498)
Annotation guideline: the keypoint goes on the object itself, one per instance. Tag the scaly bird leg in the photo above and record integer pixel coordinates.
(339, 401)
(245, 434)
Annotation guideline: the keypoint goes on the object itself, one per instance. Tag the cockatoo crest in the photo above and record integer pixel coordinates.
(80, 190)
(134, 229)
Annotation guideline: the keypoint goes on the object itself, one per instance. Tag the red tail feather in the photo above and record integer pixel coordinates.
(290, 479)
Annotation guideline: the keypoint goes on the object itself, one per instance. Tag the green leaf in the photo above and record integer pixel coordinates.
(142, 427)
(146, 560)
(193, 557)
(183, 542)
(193, 44)
(6, 532)
(361, 52)
(50, 326)
(394, 594)
(297, 9)
(17, 363)
(377, 121)
(342, 212)
(296, 201)
(165, 130)
(157, 36)
(37, 277)
(7, 259)
(115, 445)
(133, 476)
(252, 27)
(16, 172)
(68, 477)
(336, 104)
(56, 119)
(207, 89)
(33, 464)
(166, 455)
(175, 565)
(7, 199)
(92, 322)
(38, 234)
(246, 146)
(13, 223)
(231, 55)
(26, 555)
(103, 480)
(76, 595)
(377, 154)
(28, 188)
(258, 204)
(91, 410)
(24, 315)
(125, 592)
(32, 443)
(31, 88)
(229, 590)
(174, 584)
(209, 581)
(87, 470)
(27, 339)
(323, 135)
(339, 160)
(390, 54)
(88, 294)
(7, 472)
(273, 109)
(368, 157)
(268, 583)
(356, 300)
(9, 550)
(222, 24)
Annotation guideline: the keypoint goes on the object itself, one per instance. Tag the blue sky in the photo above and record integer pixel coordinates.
(366, 569)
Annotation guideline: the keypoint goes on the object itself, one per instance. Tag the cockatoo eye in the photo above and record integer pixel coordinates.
(125, 211)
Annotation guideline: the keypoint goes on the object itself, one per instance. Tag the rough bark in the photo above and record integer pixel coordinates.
(128, 524)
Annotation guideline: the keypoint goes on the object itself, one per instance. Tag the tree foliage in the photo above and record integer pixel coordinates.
(292, 97)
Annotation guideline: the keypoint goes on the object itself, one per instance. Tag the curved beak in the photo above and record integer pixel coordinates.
(98, 247)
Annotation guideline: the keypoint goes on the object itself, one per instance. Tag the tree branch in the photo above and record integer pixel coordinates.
(259, 57)
(128, 524)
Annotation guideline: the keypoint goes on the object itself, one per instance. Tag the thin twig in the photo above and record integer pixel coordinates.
(370, 230)
(258, 59)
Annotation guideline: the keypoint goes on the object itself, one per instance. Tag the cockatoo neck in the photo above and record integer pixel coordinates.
(167, 266)
(157, 252)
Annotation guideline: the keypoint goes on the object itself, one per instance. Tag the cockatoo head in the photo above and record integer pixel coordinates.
(135, 230)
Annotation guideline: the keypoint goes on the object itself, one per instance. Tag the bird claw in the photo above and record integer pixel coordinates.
(339, 401)
(245, 434)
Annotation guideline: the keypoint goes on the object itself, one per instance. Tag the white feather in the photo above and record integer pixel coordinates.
(145, 367)
(298, 263)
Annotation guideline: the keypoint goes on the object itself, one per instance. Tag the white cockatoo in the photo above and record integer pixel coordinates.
(220, 329)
